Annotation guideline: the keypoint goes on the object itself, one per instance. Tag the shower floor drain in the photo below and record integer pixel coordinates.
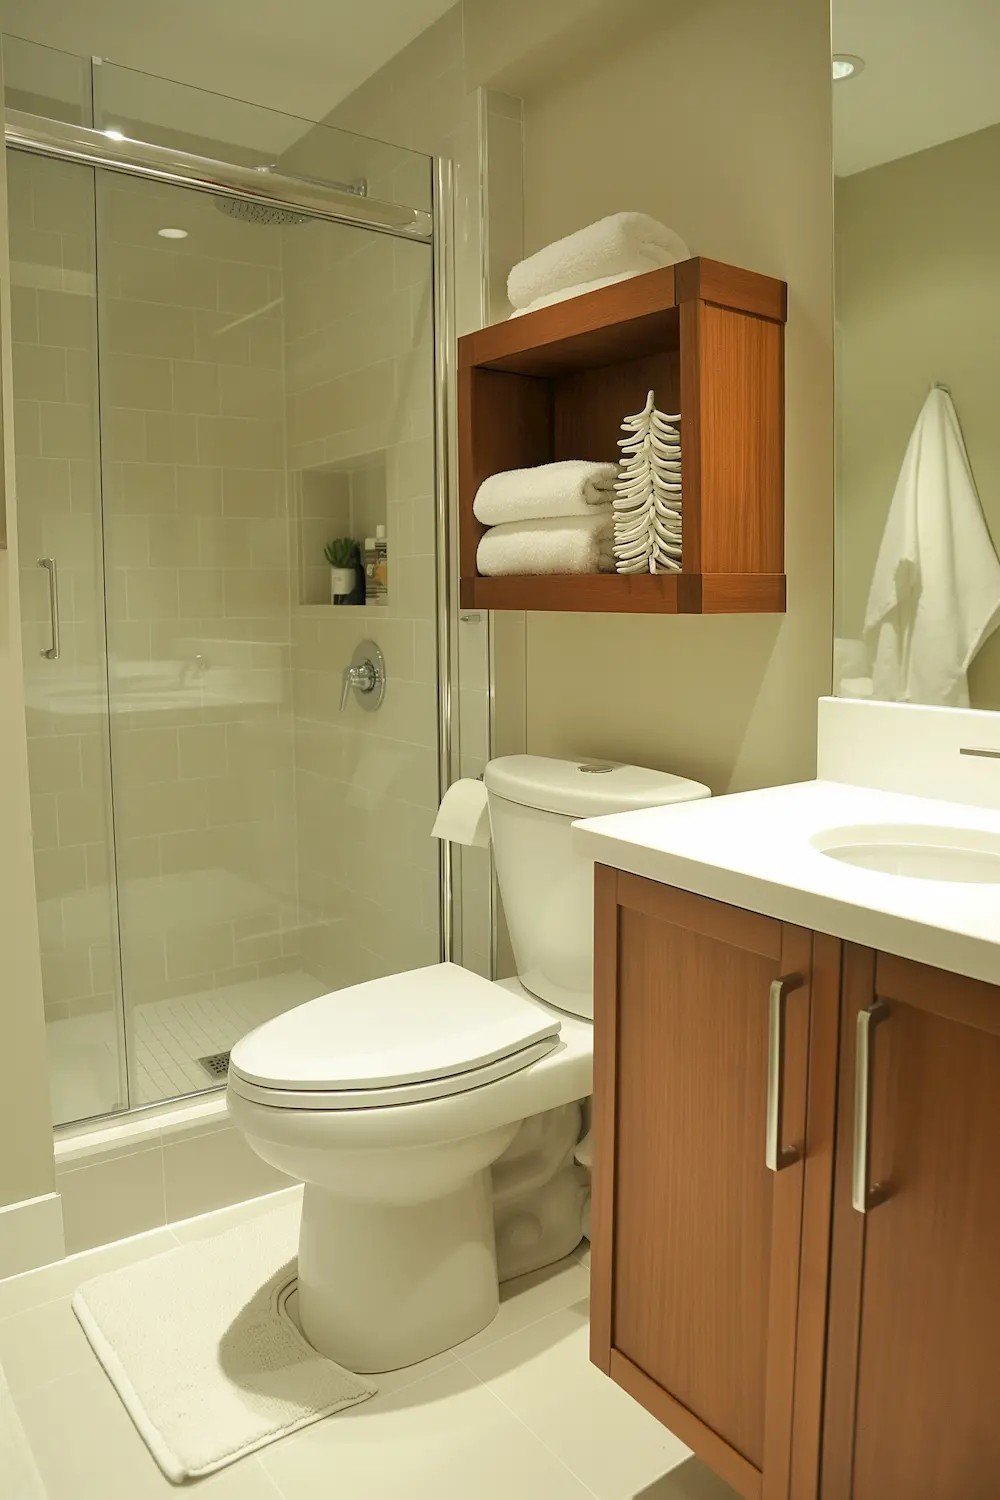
(216, 1066)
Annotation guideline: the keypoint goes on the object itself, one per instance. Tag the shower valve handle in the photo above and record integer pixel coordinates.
(366, 675)
(363, 677)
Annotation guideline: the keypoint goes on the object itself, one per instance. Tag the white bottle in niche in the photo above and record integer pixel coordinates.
(381, 563)
(375, 591)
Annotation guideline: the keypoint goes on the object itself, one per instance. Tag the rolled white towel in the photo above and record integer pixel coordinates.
(559, 544)
(621, 244)
(571, 487)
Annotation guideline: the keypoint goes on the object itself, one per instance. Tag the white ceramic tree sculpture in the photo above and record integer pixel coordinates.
(648, 494)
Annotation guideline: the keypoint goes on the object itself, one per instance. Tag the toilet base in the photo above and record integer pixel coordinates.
(384, 1285)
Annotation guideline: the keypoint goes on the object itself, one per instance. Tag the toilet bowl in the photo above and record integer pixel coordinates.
(398, 1102)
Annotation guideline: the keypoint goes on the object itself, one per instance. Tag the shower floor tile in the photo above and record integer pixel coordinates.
(167, 1037)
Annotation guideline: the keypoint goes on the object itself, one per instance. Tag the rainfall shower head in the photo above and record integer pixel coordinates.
(258, 213)
(252, 211)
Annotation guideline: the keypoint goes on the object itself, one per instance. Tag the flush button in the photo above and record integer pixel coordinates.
(596, 770)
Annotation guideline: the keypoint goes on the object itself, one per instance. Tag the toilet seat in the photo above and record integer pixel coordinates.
(422, 1035)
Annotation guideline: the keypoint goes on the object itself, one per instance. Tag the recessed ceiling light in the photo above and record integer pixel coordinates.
(172, 234)
(846, 65)
(114, 134)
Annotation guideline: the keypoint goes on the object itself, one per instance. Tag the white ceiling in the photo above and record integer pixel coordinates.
(932, 72)
(299, 56)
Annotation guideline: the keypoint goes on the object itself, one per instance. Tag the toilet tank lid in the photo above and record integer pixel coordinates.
(585, 788)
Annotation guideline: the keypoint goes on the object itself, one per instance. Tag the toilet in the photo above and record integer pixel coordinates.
(433, 1115)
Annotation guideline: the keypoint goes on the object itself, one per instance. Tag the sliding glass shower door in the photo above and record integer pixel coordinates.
(57, 446)
(209, 392)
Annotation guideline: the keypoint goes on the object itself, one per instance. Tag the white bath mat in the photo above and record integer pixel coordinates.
(199, 1345)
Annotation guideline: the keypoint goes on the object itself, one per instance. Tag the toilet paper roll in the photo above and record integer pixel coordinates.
(463, 817)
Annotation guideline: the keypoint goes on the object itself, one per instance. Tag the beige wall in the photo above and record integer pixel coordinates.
(25, 1128)
(918, 301)
(714, 118)
(359, 367)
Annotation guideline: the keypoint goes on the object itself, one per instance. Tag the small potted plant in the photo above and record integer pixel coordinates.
(344, 556)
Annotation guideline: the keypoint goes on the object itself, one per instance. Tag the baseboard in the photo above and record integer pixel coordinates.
(31, 1234)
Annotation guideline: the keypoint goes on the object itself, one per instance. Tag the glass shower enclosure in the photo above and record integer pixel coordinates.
(224, 358)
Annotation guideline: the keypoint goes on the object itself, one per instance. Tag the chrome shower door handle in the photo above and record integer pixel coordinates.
(776, 1155)
(51, 651)
(862, 1196)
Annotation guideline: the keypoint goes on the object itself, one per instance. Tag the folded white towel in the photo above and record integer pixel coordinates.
(560, 544)
(571, 487)
(621, 244)
(548, 299)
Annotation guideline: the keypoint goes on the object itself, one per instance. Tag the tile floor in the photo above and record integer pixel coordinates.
(517, 1413)
(167, 1038)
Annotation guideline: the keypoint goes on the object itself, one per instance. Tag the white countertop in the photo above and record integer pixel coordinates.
(752, 849)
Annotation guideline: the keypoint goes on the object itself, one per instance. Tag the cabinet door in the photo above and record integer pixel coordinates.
(696, 1242)
(913, 1388)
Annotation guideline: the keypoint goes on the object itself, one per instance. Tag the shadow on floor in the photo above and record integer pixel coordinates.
(691, 1480)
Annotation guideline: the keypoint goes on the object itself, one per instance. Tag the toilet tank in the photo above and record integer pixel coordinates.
(546, 885)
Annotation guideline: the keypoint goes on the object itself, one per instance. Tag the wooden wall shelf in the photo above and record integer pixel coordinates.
(554, 384)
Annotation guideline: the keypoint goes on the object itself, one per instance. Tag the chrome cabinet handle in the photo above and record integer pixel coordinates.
(862, 1196)
(49, 563)
(776, 1155)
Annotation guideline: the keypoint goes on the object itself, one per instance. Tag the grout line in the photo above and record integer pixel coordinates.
(531, 1431)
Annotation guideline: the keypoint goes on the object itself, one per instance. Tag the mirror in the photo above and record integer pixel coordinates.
(917, 194)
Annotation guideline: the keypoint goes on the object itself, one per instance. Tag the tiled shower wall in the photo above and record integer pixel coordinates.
(419, 100)
(197, 542)
(359, 363)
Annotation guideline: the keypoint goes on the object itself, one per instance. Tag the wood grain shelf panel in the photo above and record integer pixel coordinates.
(556, 383)
(631, 593)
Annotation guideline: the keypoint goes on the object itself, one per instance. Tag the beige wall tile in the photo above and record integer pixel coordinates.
(58, 872)
(83, 817)
(40, 372)
(55, 764)
(65, 430)
(199, 950)
(146, 755)
(113, 1200)
(203, 750)
(137, 380)
(172, 437)
(65, 319)
(195, 386)
(148, 328)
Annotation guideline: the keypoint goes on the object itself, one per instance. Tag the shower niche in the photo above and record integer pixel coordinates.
(343, 499)
(335, 501)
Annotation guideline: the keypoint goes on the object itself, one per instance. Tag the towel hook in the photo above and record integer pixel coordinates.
(939, 385)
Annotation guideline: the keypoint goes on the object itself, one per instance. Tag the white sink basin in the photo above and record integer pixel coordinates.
(919, 852)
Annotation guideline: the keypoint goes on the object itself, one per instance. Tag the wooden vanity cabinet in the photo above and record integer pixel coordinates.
(804, 1348)
(698, 1246)
(913, 1373)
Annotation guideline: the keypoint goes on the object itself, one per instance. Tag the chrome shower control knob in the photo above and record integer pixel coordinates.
(365, 675)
